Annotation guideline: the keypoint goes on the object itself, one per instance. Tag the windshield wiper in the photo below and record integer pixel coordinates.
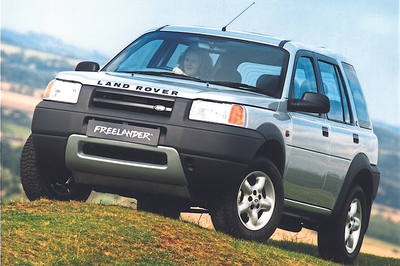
(165, 74)
(242, 86)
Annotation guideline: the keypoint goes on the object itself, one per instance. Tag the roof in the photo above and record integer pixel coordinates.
(229, 33)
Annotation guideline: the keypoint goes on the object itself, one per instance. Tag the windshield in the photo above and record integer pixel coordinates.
(224, 61)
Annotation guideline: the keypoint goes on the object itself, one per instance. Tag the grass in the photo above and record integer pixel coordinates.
(71, 233)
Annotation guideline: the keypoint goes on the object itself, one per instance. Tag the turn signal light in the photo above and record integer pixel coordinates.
(236, 115)
(46, 94)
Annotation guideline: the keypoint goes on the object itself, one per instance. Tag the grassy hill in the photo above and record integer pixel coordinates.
(27, 67)
(72, 233)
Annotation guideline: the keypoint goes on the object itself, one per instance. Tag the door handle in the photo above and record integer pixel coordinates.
(356, 139)
(325, 132)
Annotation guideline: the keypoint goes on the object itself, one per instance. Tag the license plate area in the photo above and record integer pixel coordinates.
(122, 132)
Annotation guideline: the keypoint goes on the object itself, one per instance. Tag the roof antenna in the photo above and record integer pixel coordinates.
(224, 28)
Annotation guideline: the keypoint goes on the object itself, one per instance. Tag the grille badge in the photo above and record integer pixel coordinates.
(159, 108)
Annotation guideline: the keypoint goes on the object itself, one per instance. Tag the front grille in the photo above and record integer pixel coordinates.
(125, 154)
(133, 102)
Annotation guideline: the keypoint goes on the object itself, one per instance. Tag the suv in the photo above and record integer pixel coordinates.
(260, 132)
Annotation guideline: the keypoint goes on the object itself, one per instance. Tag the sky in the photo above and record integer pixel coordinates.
(365, 31)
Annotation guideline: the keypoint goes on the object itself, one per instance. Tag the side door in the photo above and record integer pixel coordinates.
(309, 147)
(343, 134)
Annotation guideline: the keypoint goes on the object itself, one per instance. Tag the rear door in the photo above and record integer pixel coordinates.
(310, 146)
(343, 134)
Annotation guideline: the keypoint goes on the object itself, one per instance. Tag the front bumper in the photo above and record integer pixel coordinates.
(189, 155)
(120, 172)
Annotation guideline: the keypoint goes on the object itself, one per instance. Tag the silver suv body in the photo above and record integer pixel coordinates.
(258, 131)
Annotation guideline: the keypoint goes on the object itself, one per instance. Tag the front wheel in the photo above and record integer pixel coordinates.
(252, 209)
(41, 181)
(341, 239)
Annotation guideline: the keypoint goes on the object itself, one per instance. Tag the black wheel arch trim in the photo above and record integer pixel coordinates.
(272, 134)
(359, 168)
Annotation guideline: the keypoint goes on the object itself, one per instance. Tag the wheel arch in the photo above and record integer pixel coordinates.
(361, 173)
(274, 146)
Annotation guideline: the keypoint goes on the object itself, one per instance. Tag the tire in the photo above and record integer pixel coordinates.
(340, 240)
(252, 208)
(161, 206)
(39, 181)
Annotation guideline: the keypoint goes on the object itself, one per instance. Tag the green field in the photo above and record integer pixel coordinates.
(71, 233)
(15, 130)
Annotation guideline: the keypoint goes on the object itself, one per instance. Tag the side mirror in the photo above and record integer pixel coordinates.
(310, 102)
(88, 66)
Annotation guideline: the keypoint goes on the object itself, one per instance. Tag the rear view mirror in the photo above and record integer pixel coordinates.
(88, 66)
(310, 102)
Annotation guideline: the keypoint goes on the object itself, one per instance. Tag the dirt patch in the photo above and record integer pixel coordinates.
(370, 245)
(386, 212)
(18, 101)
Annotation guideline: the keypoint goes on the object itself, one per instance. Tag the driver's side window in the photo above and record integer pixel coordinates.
(304, 79)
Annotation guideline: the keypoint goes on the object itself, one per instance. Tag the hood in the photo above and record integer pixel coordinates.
(171, 87)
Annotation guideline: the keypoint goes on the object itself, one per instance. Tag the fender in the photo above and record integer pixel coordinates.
(359, 163)
(278, 154)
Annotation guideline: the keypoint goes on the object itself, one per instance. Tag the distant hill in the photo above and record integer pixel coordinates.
(389, 164)
(30, 60)
(50, 44)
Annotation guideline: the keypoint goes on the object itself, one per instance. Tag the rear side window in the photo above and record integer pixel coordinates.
(359, 100)
(333, 88)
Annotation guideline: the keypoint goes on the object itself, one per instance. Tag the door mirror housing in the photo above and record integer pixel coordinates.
(87, 66)
(310, 102)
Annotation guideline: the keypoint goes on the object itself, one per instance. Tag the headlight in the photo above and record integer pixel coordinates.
(222, 113)
(62, 91)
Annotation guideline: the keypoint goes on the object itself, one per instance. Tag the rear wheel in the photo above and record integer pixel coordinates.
(41, 181)
(341, 239)
(252, 209)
